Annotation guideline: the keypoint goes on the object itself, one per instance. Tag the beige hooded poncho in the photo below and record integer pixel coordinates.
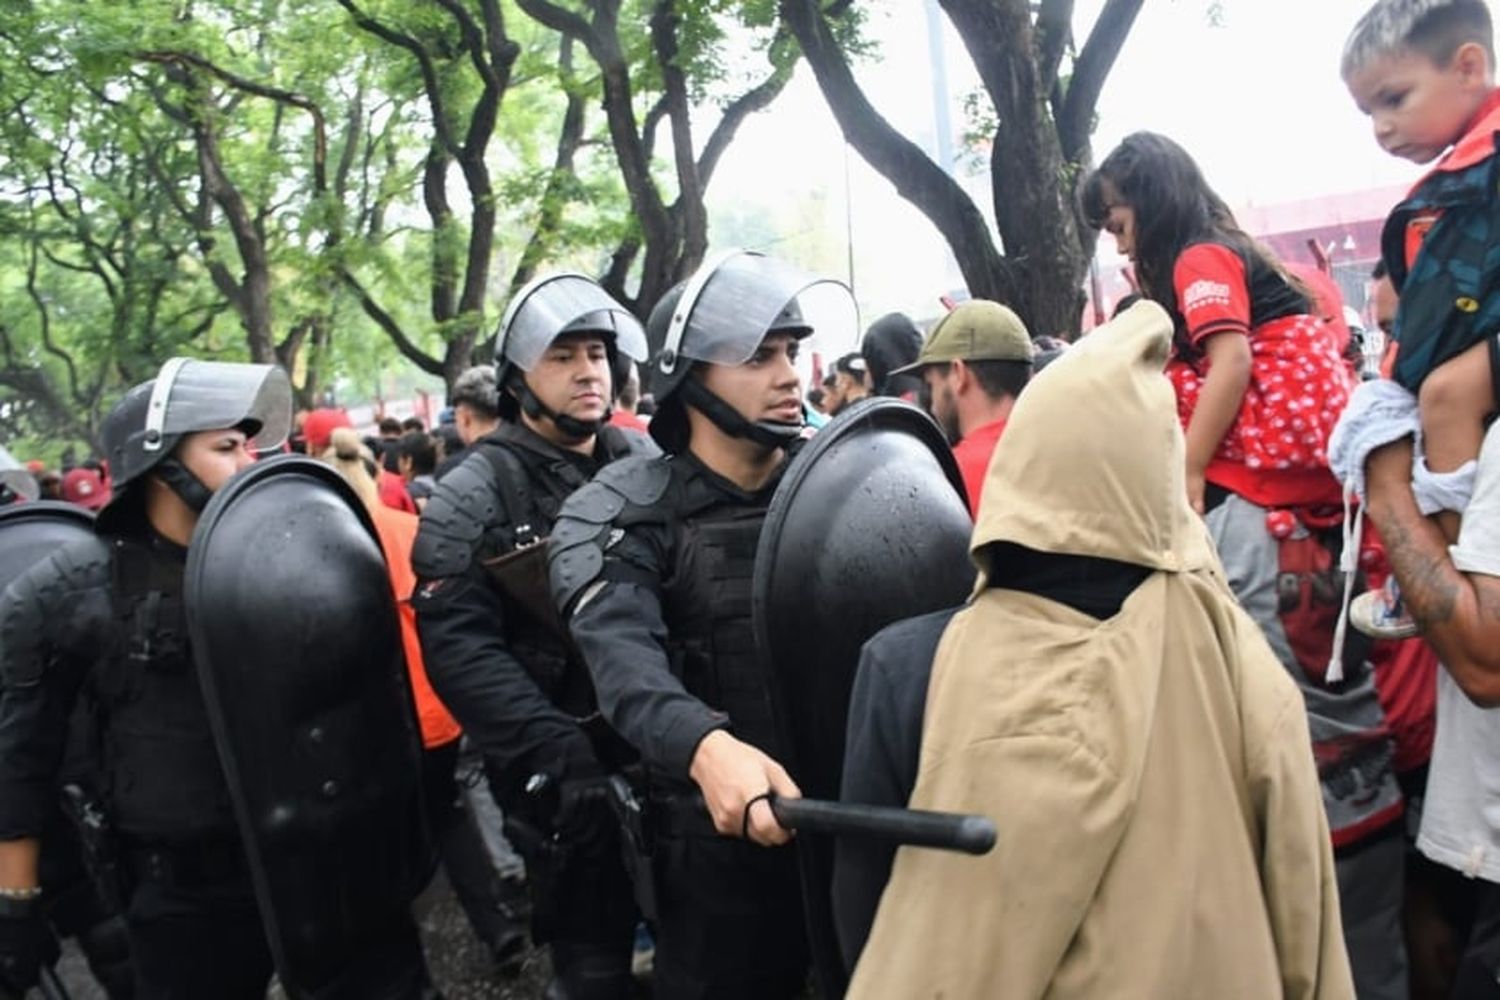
(1161, 830)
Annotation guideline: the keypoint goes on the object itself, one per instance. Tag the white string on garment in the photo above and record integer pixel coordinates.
(1353, 531)
(1379, 412)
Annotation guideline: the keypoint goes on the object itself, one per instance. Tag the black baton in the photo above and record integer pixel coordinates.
(917, 827)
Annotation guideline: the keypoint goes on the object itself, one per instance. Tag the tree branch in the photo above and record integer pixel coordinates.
(442, 131)
(562, 20)
(277, 94)
(689, 212)
(387, 323)
(916, 177)
(554, 195)
(45, 322)
(757, 98)
(1054, 29)
(353, 129)
(651, 123)
(1090, 71)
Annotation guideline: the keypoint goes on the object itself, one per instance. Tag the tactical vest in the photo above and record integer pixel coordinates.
(710, 639)
(533, 488)
(161, 769)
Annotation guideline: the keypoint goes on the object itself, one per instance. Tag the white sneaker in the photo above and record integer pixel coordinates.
(1381, 614)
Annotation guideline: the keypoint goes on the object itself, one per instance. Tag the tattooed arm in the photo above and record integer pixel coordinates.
(1459, 613)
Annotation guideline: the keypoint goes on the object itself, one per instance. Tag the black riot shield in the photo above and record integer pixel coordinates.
(869, 526)
(29, 532)
(298, 651)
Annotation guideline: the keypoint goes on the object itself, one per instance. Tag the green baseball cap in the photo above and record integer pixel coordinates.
(977, 330)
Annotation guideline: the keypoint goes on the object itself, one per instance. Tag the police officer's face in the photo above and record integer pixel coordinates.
(767, 387)
(573, 377)
(214, 456)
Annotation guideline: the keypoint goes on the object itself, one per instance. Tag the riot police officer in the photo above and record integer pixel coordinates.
(494, 648)
(652, 565)
(104, 620)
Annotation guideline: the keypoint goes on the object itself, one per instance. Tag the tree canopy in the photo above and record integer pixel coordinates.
(328, 185)
(352, 188)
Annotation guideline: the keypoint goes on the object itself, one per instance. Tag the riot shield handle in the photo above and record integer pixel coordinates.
(963, 832)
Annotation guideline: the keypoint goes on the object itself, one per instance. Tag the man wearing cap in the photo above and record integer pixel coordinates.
(85, 487)
(851, 382)
(651, 564)
(104, 621)
(973, 366)
(494, 648)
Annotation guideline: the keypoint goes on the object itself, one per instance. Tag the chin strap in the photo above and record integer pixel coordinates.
(534, 408)
(182, 482)
(767, 433)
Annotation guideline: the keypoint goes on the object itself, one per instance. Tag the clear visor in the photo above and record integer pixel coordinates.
(730, 305)
(546, 306)
(194, 396)
(16, 477)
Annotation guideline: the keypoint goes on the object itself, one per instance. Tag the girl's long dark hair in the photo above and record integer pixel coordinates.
(1174, 208)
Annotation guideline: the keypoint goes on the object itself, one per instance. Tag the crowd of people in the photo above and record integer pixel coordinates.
(1225, 681)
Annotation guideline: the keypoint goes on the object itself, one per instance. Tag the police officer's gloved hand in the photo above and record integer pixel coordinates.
(583, 808)
(26, 944)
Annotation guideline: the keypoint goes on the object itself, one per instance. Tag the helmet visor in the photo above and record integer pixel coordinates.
(548, 306)
(729, 307)
(17, 477)
(194, 396)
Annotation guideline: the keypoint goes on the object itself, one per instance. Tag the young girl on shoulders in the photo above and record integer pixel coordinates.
(1260, 381)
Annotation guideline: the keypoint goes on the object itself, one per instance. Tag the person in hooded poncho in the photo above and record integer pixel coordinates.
(1161, 828)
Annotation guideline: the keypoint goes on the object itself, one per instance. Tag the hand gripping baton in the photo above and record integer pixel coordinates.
(916, 827)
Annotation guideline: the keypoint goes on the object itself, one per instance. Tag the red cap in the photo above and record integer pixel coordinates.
(318, 428)
(86, 488)
(36, 467)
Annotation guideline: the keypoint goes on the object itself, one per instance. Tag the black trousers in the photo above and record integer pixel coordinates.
(198, 939)
(205, 941)
(1478, 975)
(582, 903)
(461, 846)
(729, 921)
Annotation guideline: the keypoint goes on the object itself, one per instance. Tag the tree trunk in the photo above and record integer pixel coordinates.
(1039, 151)
(916, 177)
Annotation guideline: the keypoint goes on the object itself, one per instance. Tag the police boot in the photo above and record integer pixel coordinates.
(589, 972)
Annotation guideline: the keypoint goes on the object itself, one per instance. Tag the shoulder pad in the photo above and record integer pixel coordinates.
(575, 551)
(463, 506)
(53, 594)
(640, 480)
(82, 565)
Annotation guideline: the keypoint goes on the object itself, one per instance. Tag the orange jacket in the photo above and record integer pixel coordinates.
(398, 531)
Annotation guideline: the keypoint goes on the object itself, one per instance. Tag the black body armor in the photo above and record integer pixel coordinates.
(162, 777)
(706, 605)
